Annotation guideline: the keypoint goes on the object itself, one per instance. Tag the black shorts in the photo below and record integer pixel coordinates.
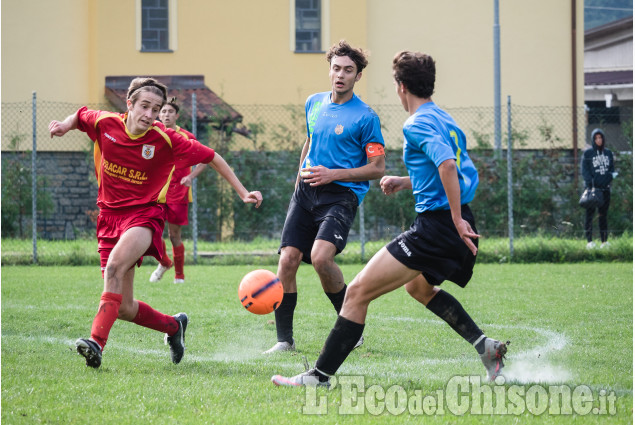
(322, 212)
(433, 246)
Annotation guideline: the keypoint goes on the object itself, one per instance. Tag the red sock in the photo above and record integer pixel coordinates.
(165, 258)
(105, 318)
(179, 261)
(150, 318)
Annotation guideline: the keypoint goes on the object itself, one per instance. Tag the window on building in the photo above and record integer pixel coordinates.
(154, 26)
(308, 28)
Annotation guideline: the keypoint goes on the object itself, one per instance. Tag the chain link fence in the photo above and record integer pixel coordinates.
(544, 168)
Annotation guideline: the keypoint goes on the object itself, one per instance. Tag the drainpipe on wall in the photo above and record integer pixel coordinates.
(574, 92)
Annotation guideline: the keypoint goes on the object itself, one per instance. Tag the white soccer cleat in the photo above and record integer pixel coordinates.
(281, 346)
(158, 273)
(590, 245)
(605, 245)
(359, 343)
(179, 280)
(310, 378)
(493, 356)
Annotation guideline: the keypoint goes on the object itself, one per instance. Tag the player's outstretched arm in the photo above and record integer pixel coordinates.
(319, 175)
(305, 151)
(220, 165)
(394, 184)
(450, 181)
(187, 180)
(60, 128)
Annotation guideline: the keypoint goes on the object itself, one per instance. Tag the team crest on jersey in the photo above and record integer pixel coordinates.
(339, 129)
(148, 151)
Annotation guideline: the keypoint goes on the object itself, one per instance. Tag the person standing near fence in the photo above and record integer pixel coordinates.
(442, 242)
(177, 201)
(598, 171)
(343, 151)
(134, 160)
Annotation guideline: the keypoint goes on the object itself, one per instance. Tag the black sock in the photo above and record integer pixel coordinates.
(480, 347)
(449, 309)
(338, 345)
(337, 299)
(284, 317)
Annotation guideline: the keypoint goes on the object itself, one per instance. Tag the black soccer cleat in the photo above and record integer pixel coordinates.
(90, 350)
(177, 341)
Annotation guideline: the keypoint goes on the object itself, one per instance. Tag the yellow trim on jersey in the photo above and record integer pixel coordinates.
(164, 190)
(109, 115)
(182, 133)
(128, 133)
(123, 121)
(97, 162)
(162, 133)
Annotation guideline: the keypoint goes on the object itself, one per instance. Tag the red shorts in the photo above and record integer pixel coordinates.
(177, 214)
(112, 224)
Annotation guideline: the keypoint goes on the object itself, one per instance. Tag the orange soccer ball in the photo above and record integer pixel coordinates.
(260, 291)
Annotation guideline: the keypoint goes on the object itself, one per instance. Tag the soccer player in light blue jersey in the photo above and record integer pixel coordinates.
(441, 243)
(343, 151)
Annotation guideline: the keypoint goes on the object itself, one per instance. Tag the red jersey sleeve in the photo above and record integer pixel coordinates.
(87, 121)
(185, 133)
(189, 152)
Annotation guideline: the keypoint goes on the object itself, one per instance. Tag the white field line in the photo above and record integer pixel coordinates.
(528, 366)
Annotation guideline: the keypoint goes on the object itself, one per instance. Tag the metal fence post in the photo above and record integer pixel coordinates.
(362, 229)
(510, 195)
(497, 84)
(34, 179)
(194, 186)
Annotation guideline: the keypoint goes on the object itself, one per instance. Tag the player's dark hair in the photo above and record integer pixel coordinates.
(172, 103)
(342, 48)
(141, 84)
(417, 71)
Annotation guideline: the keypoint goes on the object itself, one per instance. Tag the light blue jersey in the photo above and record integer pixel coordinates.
(339, 134)
(431, 137)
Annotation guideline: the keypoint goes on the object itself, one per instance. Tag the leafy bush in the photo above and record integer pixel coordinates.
(17, 189)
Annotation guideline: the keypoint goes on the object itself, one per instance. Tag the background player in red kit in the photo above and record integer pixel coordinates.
(177, 201)
(135, 157)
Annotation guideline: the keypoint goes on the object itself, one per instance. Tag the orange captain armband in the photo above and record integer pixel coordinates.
(374, 149)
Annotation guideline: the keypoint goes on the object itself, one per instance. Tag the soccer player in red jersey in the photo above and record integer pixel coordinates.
(177, 201)
(135, 157)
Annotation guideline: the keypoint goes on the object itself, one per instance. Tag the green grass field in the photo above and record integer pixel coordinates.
(569, 325)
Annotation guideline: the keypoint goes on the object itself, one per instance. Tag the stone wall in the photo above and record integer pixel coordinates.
(70, 182)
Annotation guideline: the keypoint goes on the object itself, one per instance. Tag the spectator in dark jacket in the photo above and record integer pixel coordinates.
(598, 171)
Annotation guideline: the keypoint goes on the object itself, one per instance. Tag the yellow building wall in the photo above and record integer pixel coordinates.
(46, 48)
(535, 48)
(68, 47)
(241, 46)
(535, 54)
(64, 49)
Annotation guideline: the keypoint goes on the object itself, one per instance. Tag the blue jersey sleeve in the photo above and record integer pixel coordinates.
(430, 142)
(371, 129)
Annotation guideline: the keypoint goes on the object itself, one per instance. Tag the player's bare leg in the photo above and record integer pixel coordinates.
(331, 277)
(323, 260)
(382, 274)
(448, 308)
(117, 300)
(288, 264)
(178, 251)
